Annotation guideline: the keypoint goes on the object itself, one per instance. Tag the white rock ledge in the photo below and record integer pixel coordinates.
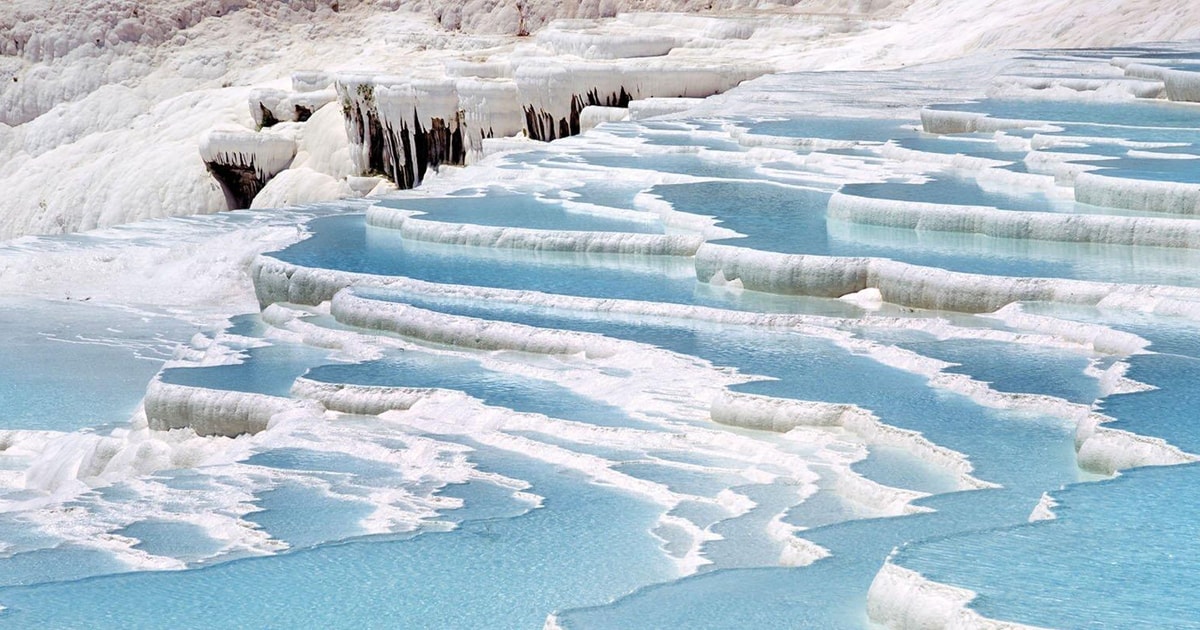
(767, 413)
(461, 331)
(215, 412)
(363, 400)
(536, 240)
(1147, 195)
(901, 599)
(1013, 224)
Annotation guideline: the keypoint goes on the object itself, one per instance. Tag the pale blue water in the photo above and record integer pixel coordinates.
(984, 254)
(303, 516)
(1168, 412)
(823, 378)
(418, 369)
(264, 370)
(522, 159)
(1016, 368)
(687, 139)
(792, 220)
(1026, 456)
(1166, 335)
(671, 134)
(175, 539)
(1111, 154)
(498, 207)
(248, 325)
(1182, 64)
(577, 550)
(1144, 113)
(744, 541)
(1131, 132)
(773, 217)
(1163, 50)
(1118, 154)
(827, 594)
(1138, 531)
(976, 145)
(810, 368)
(46, 343)
(896, 467)
(594, 552)
(342, 243)
(697, 165)
(609, 193)
(946, 189)
(1182, 170)
(64, 562)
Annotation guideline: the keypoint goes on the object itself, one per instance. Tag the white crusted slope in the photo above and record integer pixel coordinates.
(215, 412)
(901, 599)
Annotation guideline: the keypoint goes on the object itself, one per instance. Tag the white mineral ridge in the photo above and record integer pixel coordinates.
(902, 599)
(359, 399)
(1044, 510)
(216, 412)
(1136, 194)
(1106, 451)
(1072, 228)
(93, 135)
(596, 115)
(284, 105)
(266, 153)
(468, 332)
(783, 415)
(660, 106)
(926, 287)
(468, 234)
(1182, 85)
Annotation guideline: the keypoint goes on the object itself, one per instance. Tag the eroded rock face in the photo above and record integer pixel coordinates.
(542, 125)
(244, 161)
(269, 106)
(402, 129)
(553, 94)
(408, 152)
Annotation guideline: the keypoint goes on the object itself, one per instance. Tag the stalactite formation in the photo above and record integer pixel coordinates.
(244, 161)
(541, 125)
(239, 179)
(401, 148)
(268, 117)
(400, 127)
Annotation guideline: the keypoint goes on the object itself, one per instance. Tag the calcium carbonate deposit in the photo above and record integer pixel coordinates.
(599, 314)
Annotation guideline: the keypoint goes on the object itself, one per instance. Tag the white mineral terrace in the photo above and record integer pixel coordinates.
(832, 305)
